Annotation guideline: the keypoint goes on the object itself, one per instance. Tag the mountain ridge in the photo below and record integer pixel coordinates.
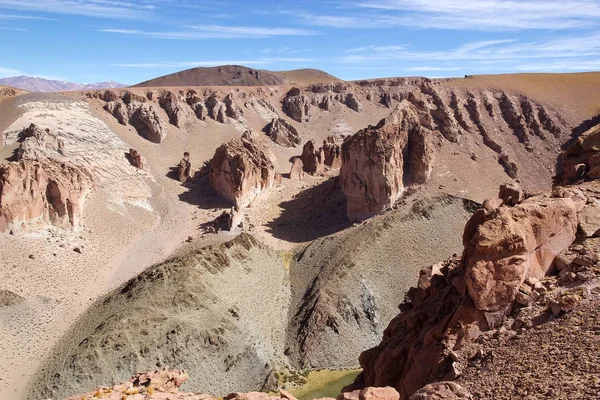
(238, 75)
(37, 84)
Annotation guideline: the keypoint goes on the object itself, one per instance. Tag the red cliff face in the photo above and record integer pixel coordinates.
(380, 161)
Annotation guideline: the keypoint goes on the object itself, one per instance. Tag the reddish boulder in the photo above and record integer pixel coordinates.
(312, 159)
(510, 194)
(513, 244)
(184, 168)
(242, 169)
(137, 160)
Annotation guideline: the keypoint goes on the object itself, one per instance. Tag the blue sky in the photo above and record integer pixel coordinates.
(131, 41)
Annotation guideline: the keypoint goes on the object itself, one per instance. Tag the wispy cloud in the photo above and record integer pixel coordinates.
(212, 63)
(7, 72)
(481, 15)
(488, 51)
(216, 32)
(91, 8)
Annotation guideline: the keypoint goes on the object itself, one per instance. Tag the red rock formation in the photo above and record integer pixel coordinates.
(33, 192)
(137, 160)
(312, 159)
(297, 170)
(184, 168)
(282, 133)
(504, 247)
(173, 104)
(242, 169)
(510, 194)
(378, 162)
(296, 105)
(332, 153)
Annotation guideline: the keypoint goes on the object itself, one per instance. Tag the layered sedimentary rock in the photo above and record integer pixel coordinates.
(380, 161)
(242, 169)
(460, 298)
(282, 133)
(41, 193)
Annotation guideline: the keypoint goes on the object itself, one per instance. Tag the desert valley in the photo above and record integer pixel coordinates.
(246, 231)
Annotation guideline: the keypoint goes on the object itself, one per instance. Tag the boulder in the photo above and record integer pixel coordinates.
(511, 194)
(148, 124)
(513, 244)
(282, 133)
(184, 168)
(242, 169)
(380, 161)
(297, 170)
(137, 160)
(312, 159)
(352, 102)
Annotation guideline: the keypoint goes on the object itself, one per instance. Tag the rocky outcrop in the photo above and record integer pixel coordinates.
(462, 297)
(184, 168)
(312, 158)
(296, 105)
(41, 193)
(242, 169)
(297, 170)
(135, 110)
(282, 133)
(380, 161)
(148, 124)
(137, 160)
(511, 194)
(332, 153)
(352, 102)
(581, 160)
(216, 109)
(174, 106)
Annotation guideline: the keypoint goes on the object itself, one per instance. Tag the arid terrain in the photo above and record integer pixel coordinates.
(247, 225)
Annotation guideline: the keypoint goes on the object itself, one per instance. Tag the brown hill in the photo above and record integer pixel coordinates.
(237, 75)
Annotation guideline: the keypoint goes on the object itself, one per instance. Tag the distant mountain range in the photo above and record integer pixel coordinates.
(34, 84)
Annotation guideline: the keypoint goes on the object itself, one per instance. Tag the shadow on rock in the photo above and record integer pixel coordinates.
(199, 192)
(313, 213)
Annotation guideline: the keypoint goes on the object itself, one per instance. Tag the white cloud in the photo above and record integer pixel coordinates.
(488, 51)
(8, 72)
(480, 15)
(90, 8)
(216, 32)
